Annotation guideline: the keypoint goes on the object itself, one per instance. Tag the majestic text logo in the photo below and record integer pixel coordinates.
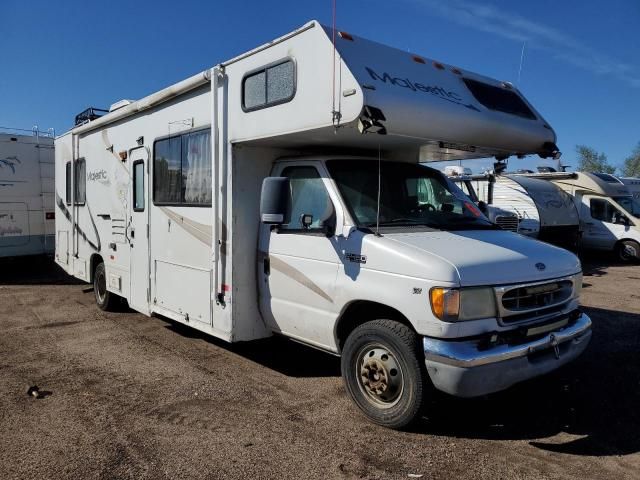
(97, 176)
(435, 90)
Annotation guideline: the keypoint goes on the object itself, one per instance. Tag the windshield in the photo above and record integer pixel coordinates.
(410, 195)
(630, 204)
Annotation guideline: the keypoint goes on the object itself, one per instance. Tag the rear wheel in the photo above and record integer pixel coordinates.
(104, 298)
(384, 374)
(628, 250)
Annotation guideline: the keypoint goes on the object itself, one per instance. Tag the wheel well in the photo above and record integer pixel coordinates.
(362, 311)
(93, 263)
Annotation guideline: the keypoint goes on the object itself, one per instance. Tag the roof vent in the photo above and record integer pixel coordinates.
(120, 104)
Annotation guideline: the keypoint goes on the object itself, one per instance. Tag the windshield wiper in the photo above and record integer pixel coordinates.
(401, 222)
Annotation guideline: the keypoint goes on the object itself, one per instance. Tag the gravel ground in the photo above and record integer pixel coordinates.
(127, 396)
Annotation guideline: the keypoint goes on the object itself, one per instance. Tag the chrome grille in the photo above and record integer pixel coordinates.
(508, 222)
(537, 296)
(534, 301)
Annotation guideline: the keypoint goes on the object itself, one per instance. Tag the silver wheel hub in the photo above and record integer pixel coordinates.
(101, 287)
(629, 251)
(380, 376)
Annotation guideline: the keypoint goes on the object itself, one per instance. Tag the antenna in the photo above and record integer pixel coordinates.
(521, 61)
(379, 188)
(333, 69)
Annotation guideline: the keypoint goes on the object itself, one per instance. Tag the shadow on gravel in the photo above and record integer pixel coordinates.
(594, 402)
(595, 262)
(277, 353)
(33, 270)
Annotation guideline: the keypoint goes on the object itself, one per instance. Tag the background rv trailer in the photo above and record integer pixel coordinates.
(544, 211)
(26, 192)
(633, 185)
(158, 202)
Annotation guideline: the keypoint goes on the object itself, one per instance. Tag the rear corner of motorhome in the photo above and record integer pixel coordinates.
(26, 192)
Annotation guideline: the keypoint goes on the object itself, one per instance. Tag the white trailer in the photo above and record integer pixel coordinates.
(351, 246)
(544, 211)
(26, 192)
(633, 185)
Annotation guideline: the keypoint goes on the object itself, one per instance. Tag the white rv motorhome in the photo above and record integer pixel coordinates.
(281, 193)
(27, 225)
(609, 215)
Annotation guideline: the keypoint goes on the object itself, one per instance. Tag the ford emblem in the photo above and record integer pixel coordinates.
(540, 266)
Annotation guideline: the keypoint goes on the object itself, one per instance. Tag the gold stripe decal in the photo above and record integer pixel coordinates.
(199, 230)
(297, 276)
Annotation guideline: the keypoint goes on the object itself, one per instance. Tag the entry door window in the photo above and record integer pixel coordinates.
(138, 186)
(309, 197)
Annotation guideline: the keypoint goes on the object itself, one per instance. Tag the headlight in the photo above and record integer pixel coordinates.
(477, 303)
(452, 305)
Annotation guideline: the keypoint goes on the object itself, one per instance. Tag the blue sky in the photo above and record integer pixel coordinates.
(581, 68)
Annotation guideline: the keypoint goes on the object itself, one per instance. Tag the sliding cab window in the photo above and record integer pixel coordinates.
(272, 85)
(309, 197)
(182, 170)
(80, 182)
(138, 186)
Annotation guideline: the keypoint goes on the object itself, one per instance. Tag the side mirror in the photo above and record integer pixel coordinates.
(275, 201)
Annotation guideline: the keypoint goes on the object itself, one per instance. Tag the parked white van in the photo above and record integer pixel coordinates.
(280, 193)
(26, 192)
(609, 215)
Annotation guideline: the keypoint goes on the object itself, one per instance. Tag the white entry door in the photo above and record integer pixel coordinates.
(138, 231)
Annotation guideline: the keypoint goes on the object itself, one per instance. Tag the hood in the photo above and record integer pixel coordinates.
(493, 257)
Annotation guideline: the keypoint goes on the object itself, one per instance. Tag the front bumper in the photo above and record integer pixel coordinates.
(465, 369)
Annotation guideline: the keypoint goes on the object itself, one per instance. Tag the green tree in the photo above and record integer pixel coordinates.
(591, 161)
(631, 166)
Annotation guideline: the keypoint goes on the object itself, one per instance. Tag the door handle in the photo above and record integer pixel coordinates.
(266, 265)
(132, 233)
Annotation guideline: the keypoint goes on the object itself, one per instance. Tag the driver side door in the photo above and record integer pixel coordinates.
(599, 229)
(298, 263)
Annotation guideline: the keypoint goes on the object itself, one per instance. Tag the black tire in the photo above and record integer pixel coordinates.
(390, 391)
(105, 300)
(628, 251)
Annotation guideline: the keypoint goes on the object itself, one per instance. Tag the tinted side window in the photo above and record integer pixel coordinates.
(602, 210)
(269, 86)
(182, 170)
(68, 183)
(196, 168)
(81, 182)
(500, 99)
(167, 171)
(309, 197)
(138, 186)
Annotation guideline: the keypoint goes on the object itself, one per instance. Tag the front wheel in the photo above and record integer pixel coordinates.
(628, 251)
(104, 298)
(384, 374)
